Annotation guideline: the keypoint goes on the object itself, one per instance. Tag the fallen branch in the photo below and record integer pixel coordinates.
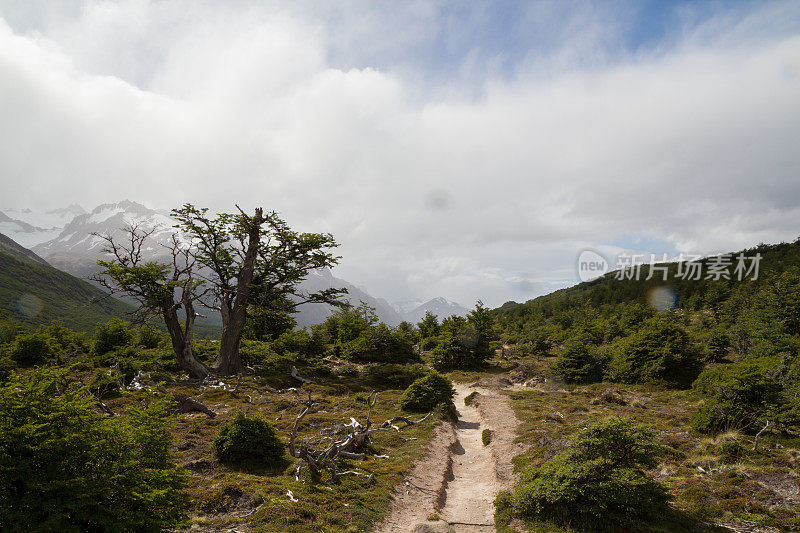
(187, 404)
(296, 375)
(340, 442)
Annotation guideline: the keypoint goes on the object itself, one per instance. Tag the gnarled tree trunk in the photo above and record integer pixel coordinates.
(182, 342)
(234, 309)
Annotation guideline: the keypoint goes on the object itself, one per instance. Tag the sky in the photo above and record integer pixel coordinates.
(469, 150)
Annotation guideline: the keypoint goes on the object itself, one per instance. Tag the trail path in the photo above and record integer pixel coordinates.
(458, 477)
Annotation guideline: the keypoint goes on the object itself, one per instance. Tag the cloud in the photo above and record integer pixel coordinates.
(447, 158)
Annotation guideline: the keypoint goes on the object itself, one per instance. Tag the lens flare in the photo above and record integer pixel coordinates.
(29, 305)
(663, 298)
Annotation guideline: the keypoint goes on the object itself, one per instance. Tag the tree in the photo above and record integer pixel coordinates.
(598, 482)
(253, 262)
(428, 326)
(163, 289)
(482, 322)
(577, 364)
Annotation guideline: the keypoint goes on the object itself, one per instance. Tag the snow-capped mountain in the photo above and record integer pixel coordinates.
(74, 249)
(440, 307)
(29, 227)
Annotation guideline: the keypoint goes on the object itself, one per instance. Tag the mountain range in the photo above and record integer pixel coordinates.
(64, 238)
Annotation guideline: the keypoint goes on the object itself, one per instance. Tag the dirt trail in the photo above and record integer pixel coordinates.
(458, 477)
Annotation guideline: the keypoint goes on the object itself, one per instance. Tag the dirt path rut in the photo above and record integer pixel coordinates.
(458, 477)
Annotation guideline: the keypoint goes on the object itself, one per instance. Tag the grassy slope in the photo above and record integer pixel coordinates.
(60, 295)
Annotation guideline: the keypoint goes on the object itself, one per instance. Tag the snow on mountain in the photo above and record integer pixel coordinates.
(76, 242)
(440, 307)
(76, 250)
(23, 232)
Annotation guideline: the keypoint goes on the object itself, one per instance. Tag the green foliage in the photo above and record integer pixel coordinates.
(742, 395)
(63, 467)
(392, 376)
(486, 437)
(469, 398)
(148, 337)
(7, 366)
(428, 326)
(112, 334)
(426, 393)
(598, 482)
(31, 349)
(660, 351)
(464, 343)
(379, 344)
(104, 384)
(576, 364)
(248, 438)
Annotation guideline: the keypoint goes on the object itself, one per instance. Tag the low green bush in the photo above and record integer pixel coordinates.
(426, 393)
(577, 364)
(7, 366)
(598, 482)
(660, 351)
(392, 376)
(65, 467)
(31, 349)
(112, 334)
(248, 438)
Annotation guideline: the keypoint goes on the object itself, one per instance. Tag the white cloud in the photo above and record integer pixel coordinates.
(485, 184)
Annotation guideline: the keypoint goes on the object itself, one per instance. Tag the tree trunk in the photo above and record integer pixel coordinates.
(182, 343)
(234, 313)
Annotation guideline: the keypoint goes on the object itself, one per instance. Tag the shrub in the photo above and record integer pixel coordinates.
(379, 344)
(148, 337)
(486, 437)
(104, 384)
(31, 349)
(81, 471)
(598, 481)
(660, 351)
(110, 335)
(741, 395)
(470, 398)
(426, 393)
(248, 438)
(7, 366)
(576, 364)
(390, 376)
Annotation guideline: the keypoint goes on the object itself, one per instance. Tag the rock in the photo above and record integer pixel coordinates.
(433, 526)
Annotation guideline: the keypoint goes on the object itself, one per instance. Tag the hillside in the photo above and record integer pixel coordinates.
(33, 292)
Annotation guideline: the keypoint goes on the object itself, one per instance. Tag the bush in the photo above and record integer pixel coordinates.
(110, 335)
(31, 349)
(426, 393)
(379, 344)
(81, 471)
(389, 376)
(741, 395)
(7, 366)
(576, 364)
(248, 438)
(660, 351)
(598, 482)
(148, 337)
(104, 384)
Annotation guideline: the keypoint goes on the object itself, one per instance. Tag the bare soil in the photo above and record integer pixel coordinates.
(458, 477)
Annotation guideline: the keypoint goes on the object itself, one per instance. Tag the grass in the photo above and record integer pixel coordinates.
(266, 499)
(737, 484)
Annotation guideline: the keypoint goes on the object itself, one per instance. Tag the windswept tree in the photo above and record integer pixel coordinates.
(231, 263)
(163, 289)
(253, 262)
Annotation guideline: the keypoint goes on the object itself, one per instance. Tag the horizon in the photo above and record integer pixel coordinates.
(470, 152)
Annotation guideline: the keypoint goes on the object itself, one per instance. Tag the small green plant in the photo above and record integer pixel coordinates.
(598, 481)
(31, 349)
(248, 438)
(110, 335)
(426, 393)
(470, 397)
(486, 437)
